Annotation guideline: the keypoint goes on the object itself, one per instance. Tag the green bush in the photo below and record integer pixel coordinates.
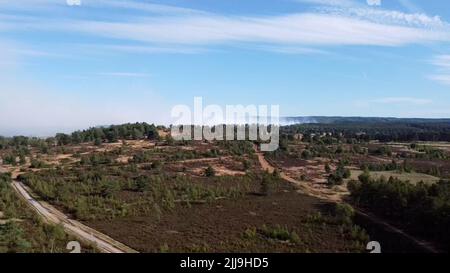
(280, 233)
(269, 184)
(210, 172)
(344, 214)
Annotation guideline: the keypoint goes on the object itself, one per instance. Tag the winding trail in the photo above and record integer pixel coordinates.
(84, 233)
(304, 188)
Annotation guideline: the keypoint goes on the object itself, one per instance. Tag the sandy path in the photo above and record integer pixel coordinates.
(84, 233)
(265, 165)
(304, 187)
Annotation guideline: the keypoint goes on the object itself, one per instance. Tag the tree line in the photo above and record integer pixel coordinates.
(384, 132)
(113, 133)
(98, 135)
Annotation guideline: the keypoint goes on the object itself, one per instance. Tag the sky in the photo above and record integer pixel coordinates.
(72, 64)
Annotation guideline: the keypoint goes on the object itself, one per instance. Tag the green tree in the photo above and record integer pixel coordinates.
(98, 141)
(63, 139)
(269, 184)
(210, 172)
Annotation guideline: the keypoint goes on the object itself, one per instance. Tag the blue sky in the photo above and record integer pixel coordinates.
(111, 61)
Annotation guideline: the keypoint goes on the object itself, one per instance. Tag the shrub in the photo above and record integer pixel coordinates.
(280, 233)
(334, 180)
(36, 164)
(338, 177)
(344, 214)
(210, 172)
(354, 185)
(12, 236)
(269, 184)
(250, 233)
(246, 164)
(10, 159)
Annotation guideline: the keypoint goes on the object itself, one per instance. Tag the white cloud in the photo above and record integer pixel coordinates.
(14, 55)
(442, 61)
(441, 78)
(374, 2)
(140, 6)
(442, 74)
(390, 17)
(176, 28)
(403, 100)
(300, 29)
(73, 2)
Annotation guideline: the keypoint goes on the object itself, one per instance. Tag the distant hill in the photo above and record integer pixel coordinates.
(365, 120)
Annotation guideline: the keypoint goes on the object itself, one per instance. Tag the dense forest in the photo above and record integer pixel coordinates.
(384, 132)
(360, 120)
(423, 209)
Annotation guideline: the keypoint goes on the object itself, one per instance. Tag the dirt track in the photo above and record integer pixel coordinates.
(84, 233)
(304, 188)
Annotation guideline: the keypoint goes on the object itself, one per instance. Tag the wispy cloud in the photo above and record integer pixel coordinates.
(442, 74)
(391, 17)
(294, 29)
(442, 61)
(373, 2)
(329, 27)
(373, 13)
(14, 54)
(143, 7)
(441, 78)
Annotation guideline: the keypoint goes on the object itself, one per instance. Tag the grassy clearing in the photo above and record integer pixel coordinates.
(414, 178)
